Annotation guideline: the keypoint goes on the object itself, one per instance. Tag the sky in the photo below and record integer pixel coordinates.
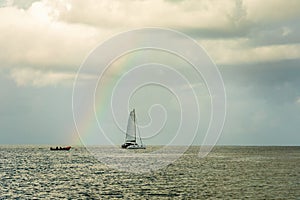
(254, 44)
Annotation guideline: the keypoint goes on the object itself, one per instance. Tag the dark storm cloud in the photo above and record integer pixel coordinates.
(263, 103)
(277, 82)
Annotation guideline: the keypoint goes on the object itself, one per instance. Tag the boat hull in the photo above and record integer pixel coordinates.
(136, 147)
(60, 148)
(127, 144)
(132, 146)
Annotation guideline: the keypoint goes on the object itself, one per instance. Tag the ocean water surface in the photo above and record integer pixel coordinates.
(228, 172)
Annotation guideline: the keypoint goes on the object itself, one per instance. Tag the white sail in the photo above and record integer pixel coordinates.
(131, 129)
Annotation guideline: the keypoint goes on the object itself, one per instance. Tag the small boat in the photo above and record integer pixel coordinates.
(60, 148)
(130, 139)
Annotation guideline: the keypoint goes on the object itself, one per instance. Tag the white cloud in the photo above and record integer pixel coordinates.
(225, 15)
(271, 10)
(31, 37)
(37, 78)
(58, 34)
(128, 14)
(40, 78)
(237, 51)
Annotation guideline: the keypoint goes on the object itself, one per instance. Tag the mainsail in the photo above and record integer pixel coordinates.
(131, 129)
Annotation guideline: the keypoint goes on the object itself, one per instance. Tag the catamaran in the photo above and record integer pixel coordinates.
(130, 139)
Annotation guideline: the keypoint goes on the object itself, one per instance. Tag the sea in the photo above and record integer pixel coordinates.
(227, 172)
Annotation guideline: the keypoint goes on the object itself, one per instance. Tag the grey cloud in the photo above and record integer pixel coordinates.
(262, 106)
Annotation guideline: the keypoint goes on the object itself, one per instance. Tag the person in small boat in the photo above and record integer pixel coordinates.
(56, 148)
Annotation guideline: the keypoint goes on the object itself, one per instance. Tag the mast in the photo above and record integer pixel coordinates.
(134, 122)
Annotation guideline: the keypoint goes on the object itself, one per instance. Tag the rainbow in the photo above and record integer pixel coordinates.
(88, 124)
